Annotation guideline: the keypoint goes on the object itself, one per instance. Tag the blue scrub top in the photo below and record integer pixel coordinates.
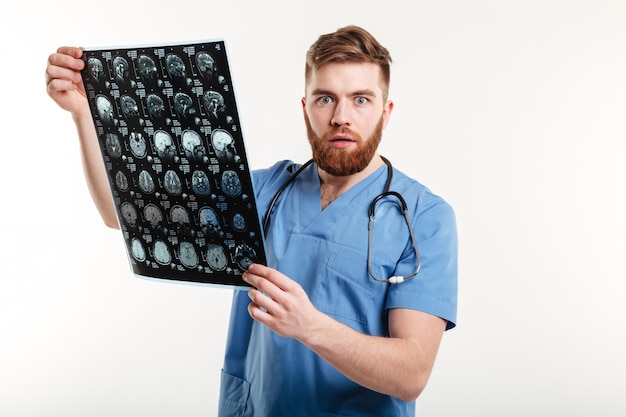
(325, 251)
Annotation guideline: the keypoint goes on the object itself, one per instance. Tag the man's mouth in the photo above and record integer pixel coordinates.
(342, 139)
(341, 142)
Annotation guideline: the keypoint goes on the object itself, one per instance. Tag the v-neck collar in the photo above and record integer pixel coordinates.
(308, 198)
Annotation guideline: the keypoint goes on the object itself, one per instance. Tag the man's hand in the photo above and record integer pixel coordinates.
(398, 365)
(63, 79)
(279, 302)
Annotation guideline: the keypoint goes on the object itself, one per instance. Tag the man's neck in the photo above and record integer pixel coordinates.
(331, 186)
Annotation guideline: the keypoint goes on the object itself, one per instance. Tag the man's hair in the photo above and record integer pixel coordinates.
(351, 44)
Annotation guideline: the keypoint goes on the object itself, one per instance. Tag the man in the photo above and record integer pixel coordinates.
(324, 330)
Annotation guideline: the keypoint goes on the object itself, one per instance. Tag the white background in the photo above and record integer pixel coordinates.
(514, 111)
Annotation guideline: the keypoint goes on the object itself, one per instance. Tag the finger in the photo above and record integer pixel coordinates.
(72, 51)
(259, 314)
(261, 300)
(253, 275)
(272, 298)
(279, 280)
(267, 287)
(262, 284)
(67, 60)
(56, 85)
(54, 72)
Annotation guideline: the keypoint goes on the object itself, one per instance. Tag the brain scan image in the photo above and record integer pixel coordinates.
(188, 255)
(214, 104)
(216, 257)
(96, 69)
(121, 181)
(175, 66)
(156, 107)
(192, 146)
(105, 110)
(239, 222)
(146, 182)
(129, 106)
(113, 145)
(137, 250)
(184, 107)
(209, 222)
(231, 184)
(244, 256)
(152, 214)
(206, 64)
(120, 70)
(172, 183)
(223, 145)
(137, 144)
(180, 220)
(129, 214)
(178, 214)
(164, 146)
(147, 69)
(161, 252)
(200, 183)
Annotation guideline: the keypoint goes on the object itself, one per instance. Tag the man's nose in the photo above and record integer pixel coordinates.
(341, 116)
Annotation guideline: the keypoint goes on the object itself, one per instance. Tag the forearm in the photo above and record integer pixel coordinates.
(93, 166)
(398, 365)
(394, 366)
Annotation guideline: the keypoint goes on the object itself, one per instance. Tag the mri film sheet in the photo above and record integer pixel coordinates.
(169, 131)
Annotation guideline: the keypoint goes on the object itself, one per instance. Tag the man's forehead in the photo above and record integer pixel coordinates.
(346, 76)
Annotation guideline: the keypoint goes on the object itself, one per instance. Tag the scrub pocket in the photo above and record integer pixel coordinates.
(345, 291)
(234, 393)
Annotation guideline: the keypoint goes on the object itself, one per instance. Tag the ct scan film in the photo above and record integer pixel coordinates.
(171, 139)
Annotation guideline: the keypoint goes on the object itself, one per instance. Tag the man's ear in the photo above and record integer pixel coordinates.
(387, 109)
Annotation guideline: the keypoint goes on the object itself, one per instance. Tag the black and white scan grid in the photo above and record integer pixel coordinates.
(172, 144)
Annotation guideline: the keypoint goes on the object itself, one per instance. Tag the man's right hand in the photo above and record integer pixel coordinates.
(63, 79)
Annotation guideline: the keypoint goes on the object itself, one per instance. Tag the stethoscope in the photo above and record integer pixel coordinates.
(396, 279)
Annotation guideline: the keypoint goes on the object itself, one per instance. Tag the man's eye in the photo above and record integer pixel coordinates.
(361, 100)
(325, 100)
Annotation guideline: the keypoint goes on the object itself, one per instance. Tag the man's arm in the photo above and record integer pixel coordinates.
(64, 85)
(399, 365)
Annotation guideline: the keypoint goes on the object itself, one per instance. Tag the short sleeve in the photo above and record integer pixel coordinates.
(434, 290)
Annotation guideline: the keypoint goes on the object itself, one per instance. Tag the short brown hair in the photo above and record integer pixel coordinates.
(349, 44)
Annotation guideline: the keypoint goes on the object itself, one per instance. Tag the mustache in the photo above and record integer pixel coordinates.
(342, 130)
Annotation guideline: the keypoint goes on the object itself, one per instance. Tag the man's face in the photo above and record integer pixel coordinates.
(345, 114)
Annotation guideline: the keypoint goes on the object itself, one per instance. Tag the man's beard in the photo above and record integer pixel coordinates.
(339, 162)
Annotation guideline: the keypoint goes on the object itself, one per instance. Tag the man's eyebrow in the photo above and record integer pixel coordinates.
(366, 92)
(323, 92)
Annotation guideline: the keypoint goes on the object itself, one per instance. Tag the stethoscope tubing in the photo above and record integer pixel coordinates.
(372, 209)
